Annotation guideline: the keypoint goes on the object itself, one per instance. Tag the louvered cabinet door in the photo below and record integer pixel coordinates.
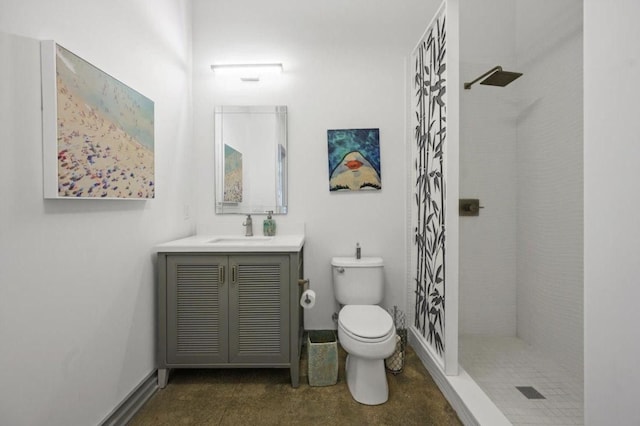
(197, 293)
(259, 309)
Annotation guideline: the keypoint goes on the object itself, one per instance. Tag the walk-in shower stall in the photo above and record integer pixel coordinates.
(498, 291)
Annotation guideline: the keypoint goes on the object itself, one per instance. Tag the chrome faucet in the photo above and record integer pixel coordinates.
(248, 223)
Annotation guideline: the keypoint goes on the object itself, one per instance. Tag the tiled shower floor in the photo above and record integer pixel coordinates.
(499, 364)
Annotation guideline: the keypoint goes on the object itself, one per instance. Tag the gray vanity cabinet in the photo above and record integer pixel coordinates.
(229, 310)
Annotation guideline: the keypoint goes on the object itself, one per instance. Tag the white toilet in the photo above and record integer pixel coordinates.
(365, 330)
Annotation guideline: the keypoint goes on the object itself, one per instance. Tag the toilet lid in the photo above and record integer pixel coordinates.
(366, 321)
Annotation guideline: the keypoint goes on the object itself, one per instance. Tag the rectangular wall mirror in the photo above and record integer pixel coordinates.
(250, 159)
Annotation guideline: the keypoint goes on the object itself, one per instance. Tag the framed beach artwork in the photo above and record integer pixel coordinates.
(354, 159)
(98, 133)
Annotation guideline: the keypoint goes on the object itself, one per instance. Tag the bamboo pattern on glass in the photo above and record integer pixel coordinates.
(430, 138)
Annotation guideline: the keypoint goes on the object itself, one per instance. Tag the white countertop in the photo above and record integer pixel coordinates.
(233, 243)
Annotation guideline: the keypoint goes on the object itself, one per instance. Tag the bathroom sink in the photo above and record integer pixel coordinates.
(233, 243)
(240, 240)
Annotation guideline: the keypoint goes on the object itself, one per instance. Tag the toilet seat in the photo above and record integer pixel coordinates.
(366, 323)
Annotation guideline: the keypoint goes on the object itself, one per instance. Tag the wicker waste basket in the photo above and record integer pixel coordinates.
(322, 348)
(395, 363)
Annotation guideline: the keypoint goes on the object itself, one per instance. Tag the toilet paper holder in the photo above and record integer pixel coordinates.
(304, 286)
(303, 283)
(308, 296)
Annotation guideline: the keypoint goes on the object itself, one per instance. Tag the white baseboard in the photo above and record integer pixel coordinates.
(133, 402)
(473, 406)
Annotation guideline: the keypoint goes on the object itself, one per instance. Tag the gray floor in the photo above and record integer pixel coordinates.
(265, 397)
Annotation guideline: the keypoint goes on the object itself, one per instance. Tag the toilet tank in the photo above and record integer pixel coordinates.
(358, 281)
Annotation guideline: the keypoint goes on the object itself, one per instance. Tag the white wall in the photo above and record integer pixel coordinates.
(77, 292)
(344, 68)
(550, 179)
(488, 171)
(612, 200)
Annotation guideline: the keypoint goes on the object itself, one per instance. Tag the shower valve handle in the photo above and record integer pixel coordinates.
(469, 207)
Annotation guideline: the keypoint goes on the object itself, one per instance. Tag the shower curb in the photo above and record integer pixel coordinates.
(473, 406)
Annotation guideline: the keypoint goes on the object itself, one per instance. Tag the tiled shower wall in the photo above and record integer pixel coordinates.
(550, 179)
(521, 154)
(488, 172)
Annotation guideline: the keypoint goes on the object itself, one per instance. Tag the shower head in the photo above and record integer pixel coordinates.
(496, 76)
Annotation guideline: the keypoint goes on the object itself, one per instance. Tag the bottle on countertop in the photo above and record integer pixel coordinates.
(358, 252)
(269, 225)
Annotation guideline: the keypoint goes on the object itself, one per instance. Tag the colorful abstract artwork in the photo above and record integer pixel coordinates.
(354, 159)
(232, 175)
(98, 132)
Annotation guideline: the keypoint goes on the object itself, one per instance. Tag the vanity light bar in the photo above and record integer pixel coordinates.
(247, 72)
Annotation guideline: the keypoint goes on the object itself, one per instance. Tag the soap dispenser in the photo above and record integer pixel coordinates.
(269, 225)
